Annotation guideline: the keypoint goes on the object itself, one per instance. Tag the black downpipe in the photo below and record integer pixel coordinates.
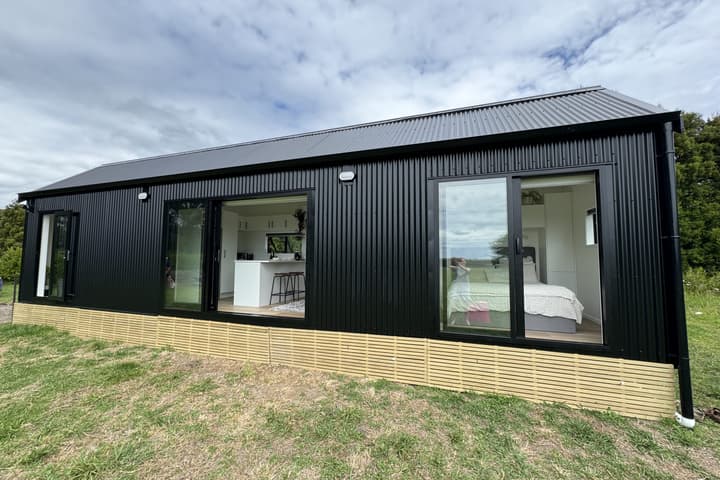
(673, 267)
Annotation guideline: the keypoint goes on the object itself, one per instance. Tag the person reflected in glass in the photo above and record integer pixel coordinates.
(460, 286)
(461, 272)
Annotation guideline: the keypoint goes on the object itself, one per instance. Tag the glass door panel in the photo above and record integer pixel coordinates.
(561, 258)
(185, 238)
(474, 264)
(59, 252)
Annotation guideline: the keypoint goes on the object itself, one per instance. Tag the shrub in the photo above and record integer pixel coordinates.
(697, 280)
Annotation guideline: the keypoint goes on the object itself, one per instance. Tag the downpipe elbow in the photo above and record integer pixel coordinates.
(684, 421)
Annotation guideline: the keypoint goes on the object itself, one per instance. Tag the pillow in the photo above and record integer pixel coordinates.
(529, 273)
(497, 275)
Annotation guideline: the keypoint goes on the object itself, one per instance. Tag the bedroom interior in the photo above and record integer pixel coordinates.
(559, 221)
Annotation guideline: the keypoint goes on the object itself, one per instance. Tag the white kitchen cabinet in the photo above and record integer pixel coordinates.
(269, 223)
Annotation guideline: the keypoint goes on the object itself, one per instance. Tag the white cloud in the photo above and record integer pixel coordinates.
(88, 83)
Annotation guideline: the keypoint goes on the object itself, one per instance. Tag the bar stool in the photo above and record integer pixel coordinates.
(296, 278)
(283, 281)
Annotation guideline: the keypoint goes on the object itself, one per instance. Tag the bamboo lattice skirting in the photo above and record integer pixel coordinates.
(627, 387)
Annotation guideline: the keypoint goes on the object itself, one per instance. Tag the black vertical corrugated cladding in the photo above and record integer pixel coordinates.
(370, 271)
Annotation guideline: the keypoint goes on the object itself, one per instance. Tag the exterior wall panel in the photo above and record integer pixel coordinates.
(370, 252)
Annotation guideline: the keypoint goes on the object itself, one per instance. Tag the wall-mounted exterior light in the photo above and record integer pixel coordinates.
(144, 195)
(347, 176)
(29, 205)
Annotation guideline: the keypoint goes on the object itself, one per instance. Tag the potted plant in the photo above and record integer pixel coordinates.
(300, 217)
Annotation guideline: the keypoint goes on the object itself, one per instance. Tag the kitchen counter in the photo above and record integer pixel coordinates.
(253, 280)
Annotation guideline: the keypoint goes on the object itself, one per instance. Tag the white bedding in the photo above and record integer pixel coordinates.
(540, 299)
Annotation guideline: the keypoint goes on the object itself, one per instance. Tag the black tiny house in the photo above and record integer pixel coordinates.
(543, 224)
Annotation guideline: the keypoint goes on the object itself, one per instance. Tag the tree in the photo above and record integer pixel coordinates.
(12, 222)
(698, 184)
(10, 263)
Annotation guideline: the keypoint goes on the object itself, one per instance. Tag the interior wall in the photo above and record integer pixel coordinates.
(254, 242)
(587, 259)
(229, 250)
(561, 268)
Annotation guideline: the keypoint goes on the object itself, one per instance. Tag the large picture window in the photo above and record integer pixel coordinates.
(184, 247)
(474, 271)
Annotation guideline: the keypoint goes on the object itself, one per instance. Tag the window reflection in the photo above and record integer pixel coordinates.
(474, 273)
(184, 255)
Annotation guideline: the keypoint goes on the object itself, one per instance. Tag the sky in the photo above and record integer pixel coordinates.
(84, 83)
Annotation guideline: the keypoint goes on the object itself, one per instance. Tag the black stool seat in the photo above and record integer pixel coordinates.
(283, 281)
(296, 278)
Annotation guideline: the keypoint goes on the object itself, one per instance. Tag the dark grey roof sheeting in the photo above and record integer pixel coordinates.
(560, 109)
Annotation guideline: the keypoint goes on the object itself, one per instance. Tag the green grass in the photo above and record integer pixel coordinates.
(6, 293)
(703, 314)
(74, 409)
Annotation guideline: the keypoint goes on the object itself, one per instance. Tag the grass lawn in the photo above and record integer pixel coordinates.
(88, 409)
(6, 293)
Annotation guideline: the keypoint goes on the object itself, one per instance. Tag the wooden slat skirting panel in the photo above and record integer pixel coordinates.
(631, 388)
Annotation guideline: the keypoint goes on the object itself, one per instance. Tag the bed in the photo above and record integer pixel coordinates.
(548, 308)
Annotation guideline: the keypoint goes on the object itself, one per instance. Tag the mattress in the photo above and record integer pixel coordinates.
(540, 299)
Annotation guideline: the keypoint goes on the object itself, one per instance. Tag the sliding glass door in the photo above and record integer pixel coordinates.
(474, 263)
(561, 260)
(184, 255)
(520, 256)
(237, 256)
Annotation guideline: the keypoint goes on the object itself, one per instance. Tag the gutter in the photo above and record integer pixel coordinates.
(675, 298)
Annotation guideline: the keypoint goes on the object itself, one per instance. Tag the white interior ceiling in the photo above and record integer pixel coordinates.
(256, 207)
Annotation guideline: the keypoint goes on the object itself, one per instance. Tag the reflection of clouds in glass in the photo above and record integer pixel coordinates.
(473, 215)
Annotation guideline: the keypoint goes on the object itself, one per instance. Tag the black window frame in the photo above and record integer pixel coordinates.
(605, 192)
(163, 253)
(212, 227)
(72, 236)
(287, 236)
(435, 261)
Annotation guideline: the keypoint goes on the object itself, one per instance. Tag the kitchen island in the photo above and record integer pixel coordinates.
(253, 280)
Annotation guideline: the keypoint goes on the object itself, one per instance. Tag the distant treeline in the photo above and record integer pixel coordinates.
(698, 184)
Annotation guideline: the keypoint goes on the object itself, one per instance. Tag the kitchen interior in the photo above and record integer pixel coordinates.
(263, 251)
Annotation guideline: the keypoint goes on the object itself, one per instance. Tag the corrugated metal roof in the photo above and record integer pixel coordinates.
(573, 107)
